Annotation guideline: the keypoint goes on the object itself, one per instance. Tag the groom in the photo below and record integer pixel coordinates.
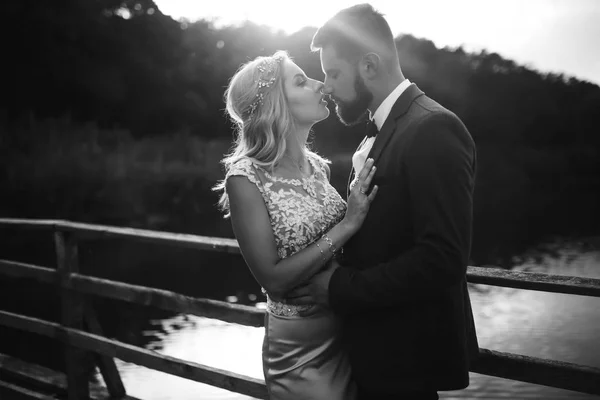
(401, 290)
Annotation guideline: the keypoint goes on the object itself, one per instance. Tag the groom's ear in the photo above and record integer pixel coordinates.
(370, 65)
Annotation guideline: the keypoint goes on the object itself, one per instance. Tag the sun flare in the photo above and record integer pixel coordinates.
(281, 15)
(523, 31)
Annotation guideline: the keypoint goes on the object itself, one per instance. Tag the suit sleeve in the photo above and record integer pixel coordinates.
(439, 167)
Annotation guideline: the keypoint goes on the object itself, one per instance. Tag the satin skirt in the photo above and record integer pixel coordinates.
(303, 358)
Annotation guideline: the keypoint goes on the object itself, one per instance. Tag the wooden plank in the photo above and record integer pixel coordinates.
(233, 313)
(16, 269)
(29, 223)
(72, 305)
(225, 245)
(534, 281)
(46, 379)
(33, 375)
(553, 373)
(14, 392)
(167, 300)
(186, 369)
(107, 365)
(482, 275)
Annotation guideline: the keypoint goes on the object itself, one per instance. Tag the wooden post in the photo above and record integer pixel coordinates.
(106, 364)
(72, 305)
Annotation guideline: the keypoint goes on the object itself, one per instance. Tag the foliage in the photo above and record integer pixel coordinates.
(153, 89)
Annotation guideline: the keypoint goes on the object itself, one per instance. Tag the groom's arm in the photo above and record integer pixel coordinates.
(440, 168)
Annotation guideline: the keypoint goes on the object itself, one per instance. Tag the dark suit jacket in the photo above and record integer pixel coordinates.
(402, 290)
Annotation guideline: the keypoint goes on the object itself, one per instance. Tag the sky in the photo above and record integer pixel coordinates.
(561, 36)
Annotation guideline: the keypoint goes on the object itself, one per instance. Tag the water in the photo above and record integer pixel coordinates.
(546, 325)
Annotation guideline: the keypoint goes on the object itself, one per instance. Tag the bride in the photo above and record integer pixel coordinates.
(289, 221)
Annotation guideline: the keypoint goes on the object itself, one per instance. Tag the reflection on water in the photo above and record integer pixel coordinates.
(206, 341)
(553, 326)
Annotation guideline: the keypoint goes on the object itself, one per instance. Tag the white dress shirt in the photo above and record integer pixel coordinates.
(360, 156)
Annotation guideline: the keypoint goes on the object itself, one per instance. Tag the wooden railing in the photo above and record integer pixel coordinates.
(80, 331)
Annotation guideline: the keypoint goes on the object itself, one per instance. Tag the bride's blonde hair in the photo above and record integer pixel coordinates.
(256, 103)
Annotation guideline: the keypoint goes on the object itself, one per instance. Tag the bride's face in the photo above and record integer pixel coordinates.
(305, 100)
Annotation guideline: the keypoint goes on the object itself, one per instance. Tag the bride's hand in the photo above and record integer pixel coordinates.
(360, 199)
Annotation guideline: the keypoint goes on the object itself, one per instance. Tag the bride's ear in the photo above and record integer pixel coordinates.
(370, 65)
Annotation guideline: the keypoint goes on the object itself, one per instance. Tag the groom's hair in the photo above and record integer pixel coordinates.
(356, 31)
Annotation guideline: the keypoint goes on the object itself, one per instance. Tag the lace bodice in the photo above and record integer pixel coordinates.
(301, 210)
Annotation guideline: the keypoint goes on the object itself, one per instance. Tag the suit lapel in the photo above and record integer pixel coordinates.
(400, 108)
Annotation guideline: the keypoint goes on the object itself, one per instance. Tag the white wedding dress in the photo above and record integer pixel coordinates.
(302, 354)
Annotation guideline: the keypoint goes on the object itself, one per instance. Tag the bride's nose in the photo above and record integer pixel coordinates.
(319, 86)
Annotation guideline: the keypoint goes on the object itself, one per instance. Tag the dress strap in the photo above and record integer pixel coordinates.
(245, 167)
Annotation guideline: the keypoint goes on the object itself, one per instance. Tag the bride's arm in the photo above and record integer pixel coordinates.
(252, 228)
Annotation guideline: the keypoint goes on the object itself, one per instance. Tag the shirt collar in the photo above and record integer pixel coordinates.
(385, 107)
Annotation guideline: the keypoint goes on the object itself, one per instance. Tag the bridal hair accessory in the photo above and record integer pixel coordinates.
(267, 69)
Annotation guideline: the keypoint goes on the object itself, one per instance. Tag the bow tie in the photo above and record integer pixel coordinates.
(371, 129)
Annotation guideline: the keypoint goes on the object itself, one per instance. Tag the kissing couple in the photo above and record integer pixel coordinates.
(366, 297)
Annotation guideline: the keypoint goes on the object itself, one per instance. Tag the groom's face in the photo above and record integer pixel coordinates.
(345, 86)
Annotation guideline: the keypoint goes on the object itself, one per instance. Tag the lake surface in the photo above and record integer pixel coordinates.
(546, 325)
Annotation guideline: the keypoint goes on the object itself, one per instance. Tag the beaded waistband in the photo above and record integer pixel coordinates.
(283, 309)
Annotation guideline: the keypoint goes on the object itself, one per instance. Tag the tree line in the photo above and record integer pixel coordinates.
(141, 77)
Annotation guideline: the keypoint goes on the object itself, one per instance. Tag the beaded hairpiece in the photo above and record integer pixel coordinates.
(267, 77)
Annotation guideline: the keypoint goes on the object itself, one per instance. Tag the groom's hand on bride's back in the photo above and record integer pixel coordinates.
(315, 290)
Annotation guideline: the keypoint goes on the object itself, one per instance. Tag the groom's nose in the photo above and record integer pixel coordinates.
(326, 89)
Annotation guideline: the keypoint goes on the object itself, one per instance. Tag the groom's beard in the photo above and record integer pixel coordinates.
(352, 112)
